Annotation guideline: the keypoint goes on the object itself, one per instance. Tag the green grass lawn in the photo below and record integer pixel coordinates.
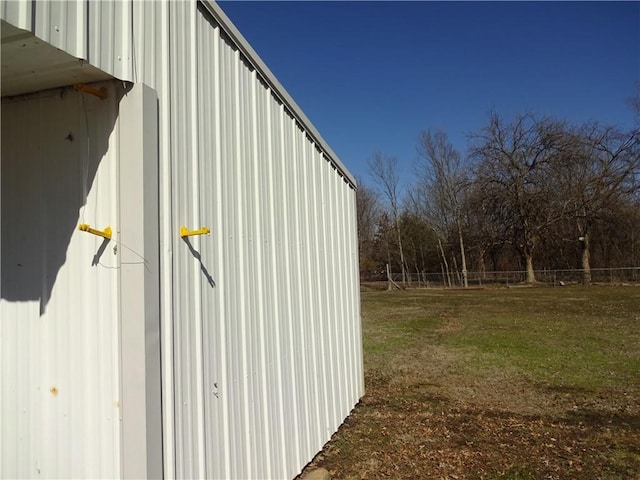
(520, 383)
(564, 337)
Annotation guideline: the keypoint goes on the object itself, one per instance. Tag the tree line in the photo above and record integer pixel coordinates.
(529, 193)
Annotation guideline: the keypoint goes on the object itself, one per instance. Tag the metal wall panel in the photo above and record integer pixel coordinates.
(18, 14)
(127, 40)
(98, 32)
(261, 354)
(59, 332)
(63, 25)
(106, 39)
(281, 324)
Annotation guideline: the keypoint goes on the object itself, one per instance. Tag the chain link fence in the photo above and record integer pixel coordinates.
(627, 275)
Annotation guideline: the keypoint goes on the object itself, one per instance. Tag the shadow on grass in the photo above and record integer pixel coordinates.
(605, 419)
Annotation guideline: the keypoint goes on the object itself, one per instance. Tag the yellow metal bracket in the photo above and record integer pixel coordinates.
(100, 93)
(184, 232)
(106, 233)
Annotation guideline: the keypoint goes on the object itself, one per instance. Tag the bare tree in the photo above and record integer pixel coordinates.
(384, 171)
(367, 205)
(487, 229)
(419, 242)
(513, 171)
(444, 180)
(596, 170)
(420, 204)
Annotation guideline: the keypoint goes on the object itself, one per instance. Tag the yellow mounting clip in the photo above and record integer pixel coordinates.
(100, 93)
(188, 233)
(106, 233)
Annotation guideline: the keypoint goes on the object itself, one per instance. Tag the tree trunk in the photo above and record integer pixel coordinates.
(390, 282)
(527, 253)
(463, 257)
(446, 264)
(455, 268)
(586, 260)
(531, 275)
(403, 265)
(481, 266)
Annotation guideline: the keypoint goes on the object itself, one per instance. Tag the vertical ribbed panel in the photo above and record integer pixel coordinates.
(260, 327)
(59, 306)
(130, 40)
(18, 14)
(100, 32)
(107, 37)
(63, 24)
(277, 284)
(187, 313)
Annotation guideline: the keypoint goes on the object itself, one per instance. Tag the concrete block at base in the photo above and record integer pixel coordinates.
(318, 474)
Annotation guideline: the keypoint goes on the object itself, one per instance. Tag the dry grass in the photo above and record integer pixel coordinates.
(530, 383)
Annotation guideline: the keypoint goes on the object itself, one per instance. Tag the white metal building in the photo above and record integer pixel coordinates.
(163, 350)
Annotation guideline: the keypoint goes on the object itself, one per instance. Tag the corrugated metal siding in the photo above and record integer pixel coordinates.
(62, 24)
(281, 326)
(260, 320)
(99, 32)
(18, 14)
(124, 39)
(59, 308)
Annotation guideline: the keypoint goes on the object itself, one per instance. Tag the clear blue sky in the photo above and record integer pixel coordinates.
(372, 75)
